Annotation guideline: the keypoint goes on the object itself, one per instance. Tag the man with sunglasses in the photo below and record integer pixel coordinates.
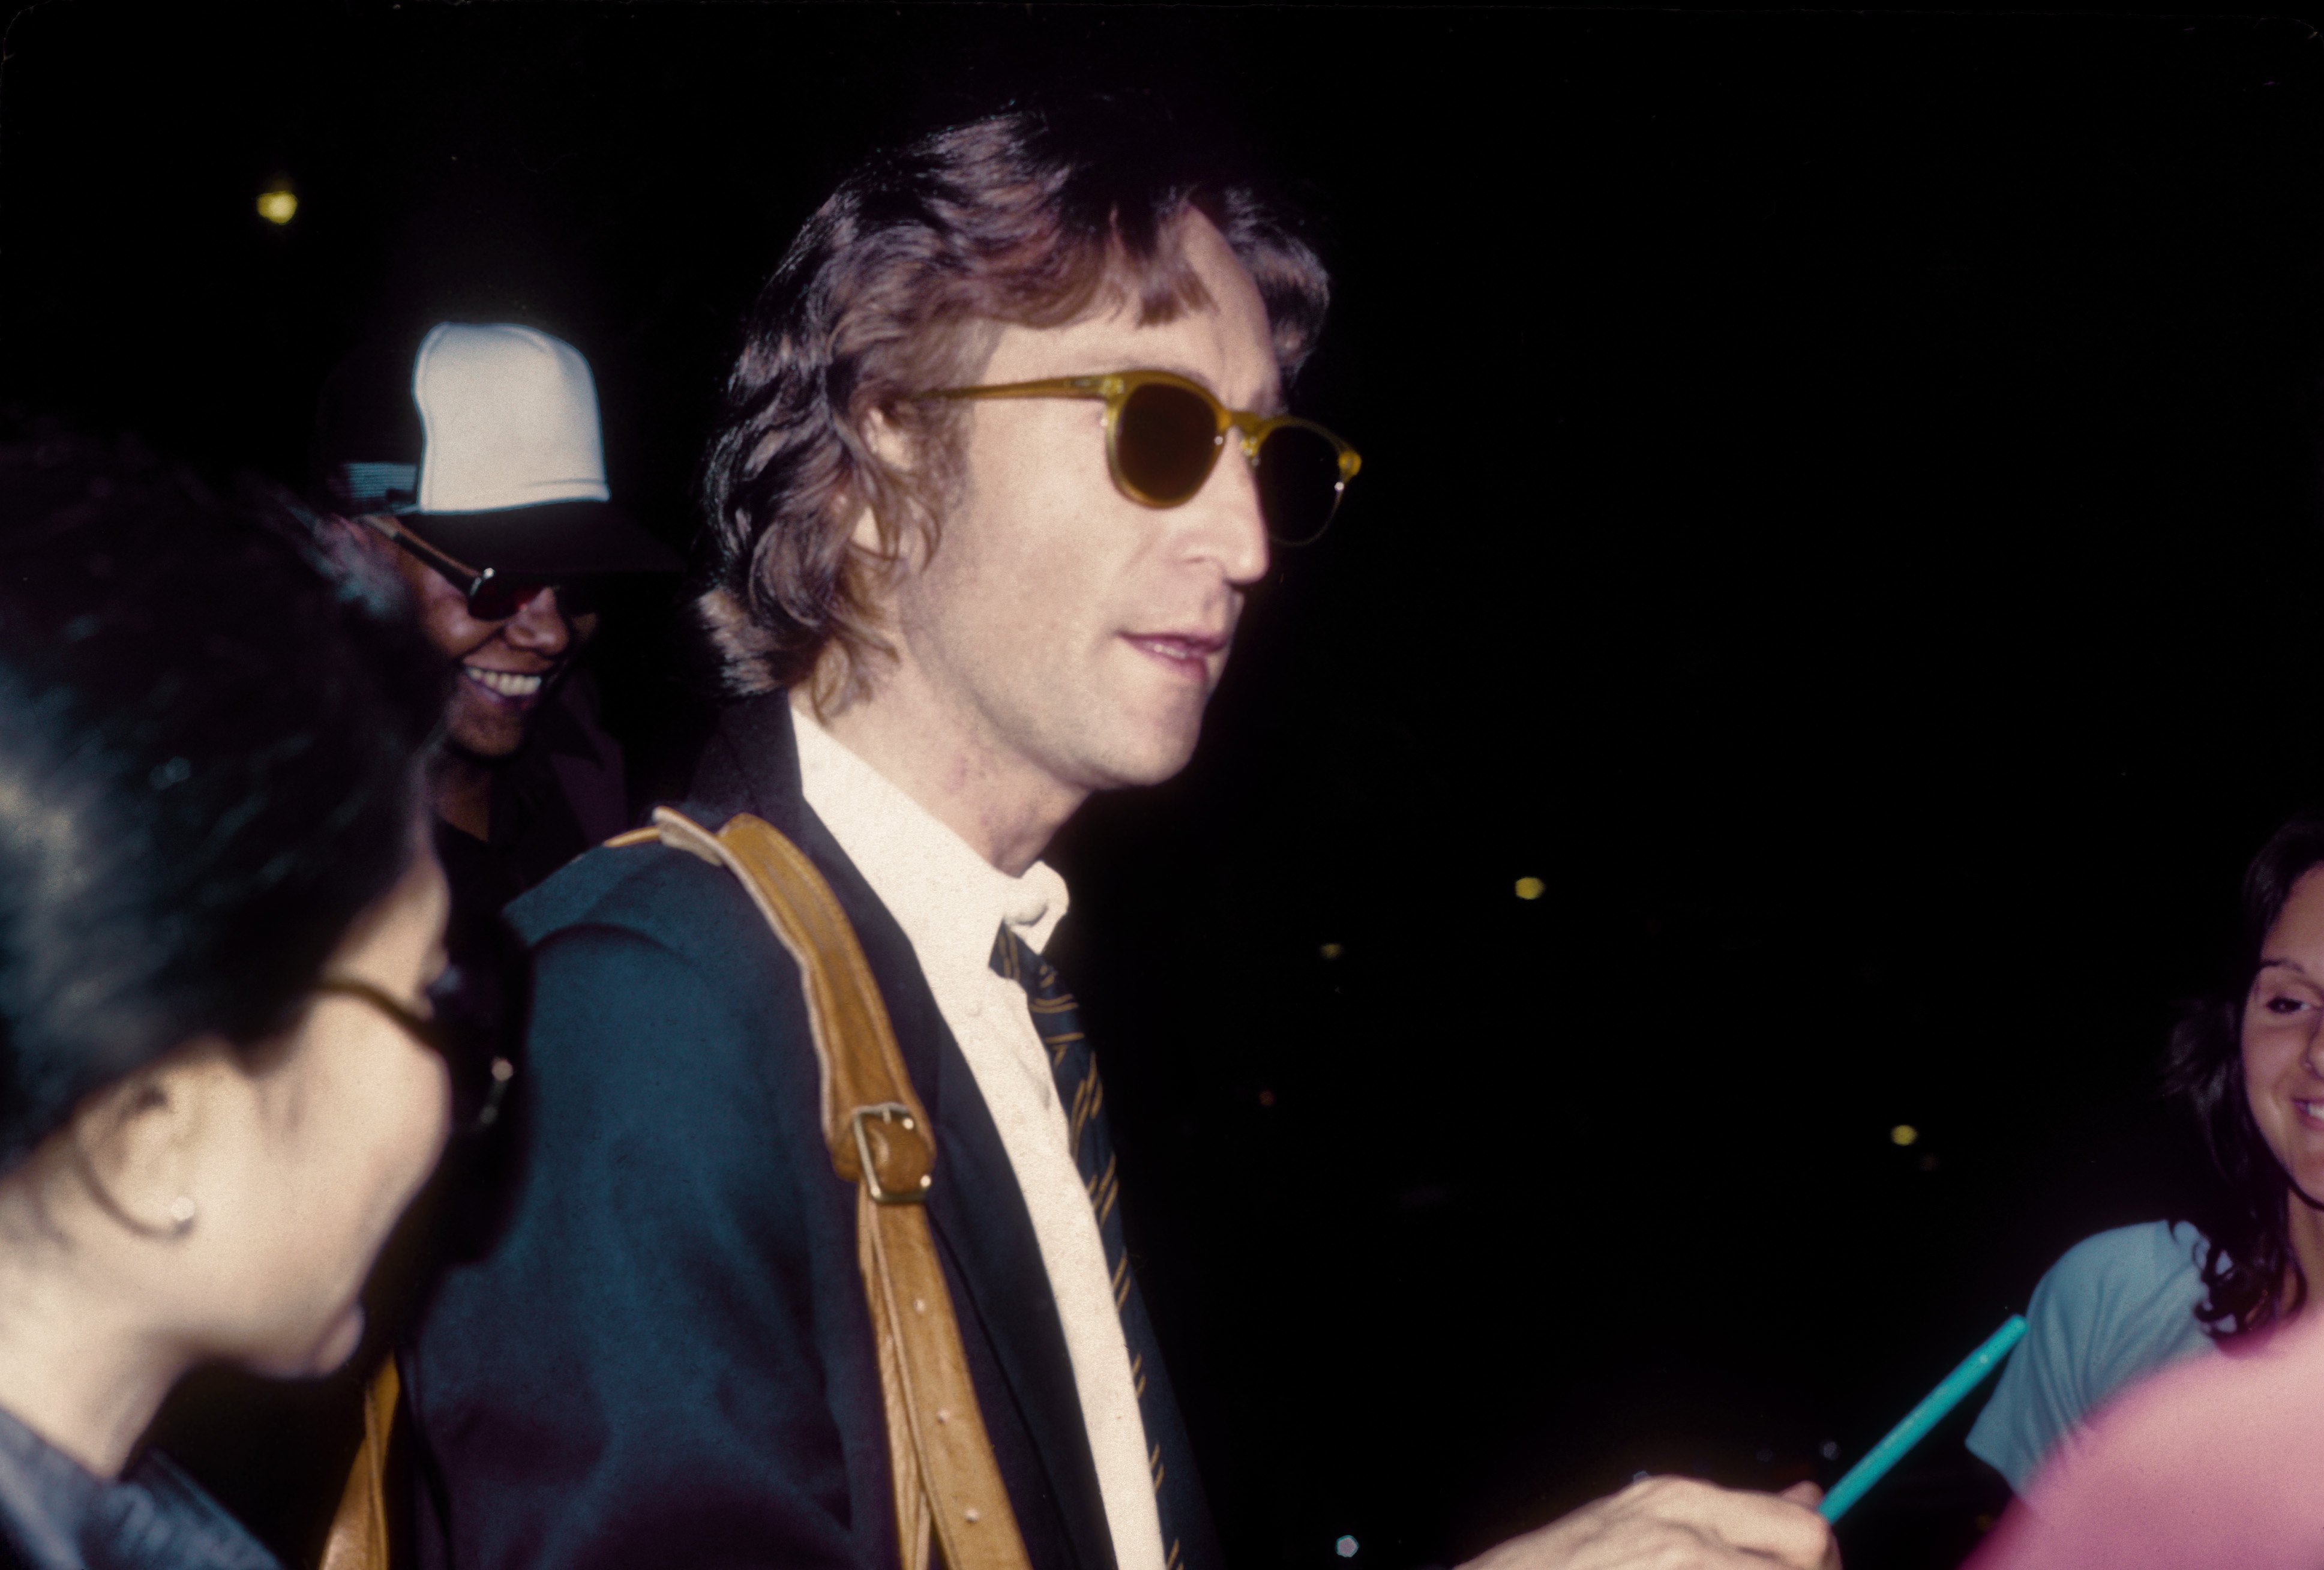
(1005, 450)
(473, 465)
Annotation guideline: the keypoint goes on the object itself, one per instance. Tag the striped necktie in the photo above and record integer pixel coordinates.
(1056, 1018)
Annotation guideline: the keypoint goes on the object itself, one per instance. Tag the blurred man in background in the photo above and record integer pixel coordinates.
(468, 460)
(475, 464)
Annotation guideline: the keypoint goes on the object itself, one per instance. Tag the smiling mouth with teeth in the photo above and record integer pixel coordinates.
(507, 683)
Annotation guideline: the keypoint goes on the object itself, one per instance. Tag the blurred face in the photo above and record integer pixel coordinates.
(1076, 632)
(314, 1166)
(505, 668)
(2284, 1036)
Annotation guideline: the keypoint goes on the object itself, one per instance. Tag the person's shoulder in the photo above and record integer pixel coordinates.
(646, 916)
(2125, 1298)
(2115, 1307)
(643, 954)
(2147, 1254)
(648, 891)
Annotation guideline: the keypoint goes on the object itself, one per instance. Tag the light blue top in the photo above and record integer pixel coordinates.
(2116, 1309)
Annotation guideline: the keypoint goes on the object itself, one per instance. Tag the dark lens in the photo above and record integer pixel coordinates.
(577, 598)
(478, 1008)
(1298, 483)
(1165, 440)
(496, 599)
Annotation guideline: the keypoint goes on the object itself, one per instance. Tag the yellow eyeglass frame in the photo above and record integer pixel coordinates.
(1114, 387)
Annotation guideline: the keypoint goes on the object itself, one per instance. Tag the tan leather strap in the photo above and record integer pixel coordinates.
(358, 1539)
(947, 1478)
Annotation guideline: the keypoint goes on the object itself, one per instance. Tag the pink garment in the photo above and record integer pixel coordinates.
(2217, 1464)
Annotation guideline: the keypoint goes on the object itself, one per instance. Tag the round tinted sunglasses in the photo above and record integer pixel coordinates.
(1164, 435)
(473, 1019)
(490, 596)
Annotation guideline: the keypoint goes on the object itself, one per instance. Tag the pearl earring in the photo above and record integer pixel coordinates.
(181, 1215)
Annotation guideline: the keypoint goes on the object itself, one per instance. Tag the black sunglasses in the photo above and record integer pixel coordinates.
(476, 1022)
(490, 596)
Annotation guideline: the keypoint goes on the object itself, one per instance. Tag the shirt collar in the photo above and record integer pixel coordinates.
(950, 901)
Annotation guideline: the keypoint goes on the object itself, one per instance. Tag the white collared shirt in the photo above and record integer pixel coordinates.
(951, 902)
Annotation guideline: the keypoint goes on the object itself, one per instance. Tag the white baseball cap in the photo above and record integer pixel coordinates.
(490, 449)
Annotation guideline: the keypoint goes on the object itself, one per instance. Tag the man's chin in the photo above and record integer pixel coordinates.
(482, 739)
(486, 756)
(1151, 757)
(1140, 726)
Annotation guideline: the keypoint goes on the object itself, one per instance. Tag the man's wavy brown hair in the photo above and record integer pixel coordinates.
(896, 287)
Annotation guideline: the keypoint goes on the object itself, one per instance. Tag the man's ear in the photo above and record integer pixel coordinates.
(895, 452)
(888, 444)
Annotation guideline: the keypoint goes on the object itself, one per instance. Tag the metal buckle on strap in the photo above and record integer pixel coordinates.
(899, 1117)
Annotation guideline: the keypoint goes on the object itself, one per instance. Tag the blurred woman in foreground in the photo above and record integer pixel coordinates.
(218, 919)
(2250, 1068)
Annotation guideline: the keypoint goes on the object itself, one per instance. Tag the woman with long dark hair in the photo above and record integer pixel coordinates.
(219, 919)
(2249, 1066)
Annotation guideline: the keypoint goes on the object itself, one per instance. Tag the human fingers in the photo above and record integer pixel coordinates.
(1810, 1495)
(1672, 1523)
(1784, 1529)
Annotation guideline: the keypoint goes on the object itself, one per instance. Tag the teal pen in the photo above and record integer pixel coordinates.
(1921, 1420)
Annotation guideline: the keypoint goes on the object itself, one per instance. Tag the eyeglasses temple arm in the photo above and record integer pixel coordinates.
(379, 998)
(432, 555)
(1058, 387)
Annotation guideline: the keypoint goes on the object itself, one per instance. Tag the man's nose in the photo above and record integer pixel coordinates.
(539, 626)
(1227, 525)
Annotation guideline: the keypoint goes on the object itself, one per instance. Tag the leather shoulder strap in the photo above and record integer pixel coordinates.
(867, 1097)
(947, 1480)
(358, 1538)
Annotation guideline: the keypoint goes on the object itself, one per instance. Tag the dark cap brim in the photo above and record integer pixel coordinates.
(554, 540)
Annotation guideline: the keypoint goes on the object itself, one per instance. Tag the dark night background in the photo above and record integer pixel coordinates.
(1840, 508)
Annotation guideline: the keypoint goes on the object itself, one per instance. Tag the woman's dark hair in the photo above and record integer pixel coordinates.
(207, 745)
(1032, 217)
(2250, 1274)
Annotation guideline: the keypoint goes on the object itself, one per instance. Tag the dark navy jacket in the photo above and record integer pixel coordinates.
(665, 1358)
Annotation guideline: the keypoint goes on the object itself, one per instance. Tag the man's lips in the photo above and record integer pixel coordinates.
(515, 687)
(1187, 654)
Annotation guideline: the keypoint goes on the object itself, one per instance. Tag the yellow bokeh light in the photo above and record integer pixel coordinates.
(278, 205)
(1331, 951)
(1531, 887)
(1903, 1133)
